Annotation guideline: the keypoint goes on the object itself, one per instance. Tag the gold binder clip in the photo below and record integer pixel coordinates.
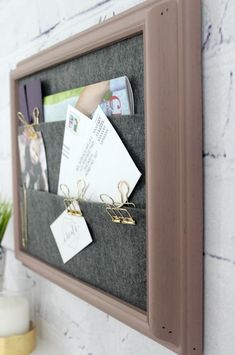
(124, 189)
(126, 217)
(120, 215)
(116, 210)
(113, 212)
(29, 128)
(70, 202)
(111, 209)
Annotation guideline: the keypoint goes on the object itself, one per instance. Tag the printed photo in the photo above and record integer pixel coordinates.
(33, 162)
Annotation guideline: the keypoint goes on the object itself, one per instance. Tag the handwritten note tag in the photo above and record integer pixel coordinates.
(71, 234)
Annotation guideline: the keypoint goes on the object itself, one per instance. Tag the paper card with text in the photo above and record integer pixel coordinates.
(93, 151)
(71, 234)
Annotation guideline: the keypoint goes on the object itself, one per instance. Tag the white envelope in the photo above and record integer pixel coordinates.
(93, 152)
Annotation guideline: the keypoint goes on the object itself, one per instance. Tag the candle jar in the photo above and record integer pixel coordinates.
(17, 316)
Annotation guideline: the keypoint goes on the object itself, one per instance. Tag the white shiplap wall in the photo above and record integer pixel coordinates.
(71, 326)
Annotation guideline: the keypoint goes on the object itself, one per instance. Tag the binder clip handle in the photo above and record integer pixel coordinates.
(117, 213)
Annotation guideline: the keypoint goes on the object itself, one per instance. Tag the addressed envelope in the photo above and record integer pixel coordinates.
(93, 152)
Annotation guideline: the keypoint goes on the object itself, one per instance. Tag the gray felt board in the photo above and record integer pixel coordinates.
(116, 260)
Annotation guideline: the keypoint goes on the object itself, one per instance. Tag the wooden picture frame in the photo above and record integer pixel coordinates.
(173, 119)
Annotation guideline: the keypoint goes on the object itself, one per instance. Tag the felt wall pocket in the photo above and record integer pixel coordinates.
(116, 260)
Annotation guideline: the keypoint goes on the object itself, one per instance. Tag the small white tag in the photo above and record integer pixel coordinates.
(71, 234)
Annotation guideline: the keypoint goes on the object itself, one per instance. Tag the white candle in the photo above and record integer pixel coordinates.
(14, 315)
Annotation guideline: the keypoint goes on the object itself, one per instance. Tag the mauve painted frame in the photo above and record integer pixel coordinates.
(174, 174)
